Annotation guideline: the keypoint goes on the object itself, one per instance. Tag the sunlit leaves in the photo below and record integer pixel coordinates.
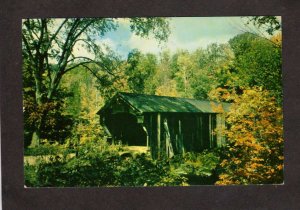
(255, 138)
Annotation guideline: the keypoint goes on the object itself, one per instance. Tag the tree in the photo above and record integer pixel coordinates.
(185, 69)
(213, 66)
(57, 126)
(257, 62)
(83, 104)
(141, 70)
(254, 154)
(48, 48)
(166, 84)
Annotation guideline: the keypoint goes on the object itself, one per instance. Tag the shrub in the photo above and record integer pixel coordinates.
(43, 149)
(101, 165)
(197, 168)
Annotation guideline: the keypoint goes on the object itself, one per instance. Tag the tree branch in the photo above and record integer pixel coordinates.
(28, 48)
(88, 43)
(92, 72)
(28, 26)
(66, 45)
(93, 61)
(56, 33)
(73, 67)
(84, 28)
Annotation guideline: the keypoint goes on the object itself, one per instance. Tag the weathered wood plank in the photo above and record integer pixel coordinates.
(210, 131)
(180, 135)
(158, 134)
(201, 131)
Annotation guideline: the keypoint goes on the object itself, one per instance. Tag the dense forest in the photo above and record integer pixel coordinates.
(65, 145)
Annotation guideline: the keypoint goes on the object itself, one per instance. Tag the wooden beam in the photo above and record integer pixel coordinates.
(210, 132)
(151, 138)
(158, 134)
(180, 136)
(201, 131)
(169, 148)
(147, 136)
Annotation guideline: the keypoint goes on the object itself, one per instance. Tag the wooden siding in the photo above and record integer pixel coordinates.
(175, 133)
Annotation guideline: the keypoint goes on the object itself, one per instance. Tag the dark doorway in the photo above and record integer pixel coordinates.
(124, 128)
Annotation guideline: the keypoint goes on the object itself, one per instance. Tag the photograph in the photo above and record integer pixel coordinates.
(152, 101)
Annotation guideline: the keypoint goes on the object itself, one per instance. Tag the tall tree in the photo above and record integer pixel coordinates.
(83, 103)
(48, 48)
(141, 70)
(185, 70)
(213, 65)
(166, 84)
(257, 63)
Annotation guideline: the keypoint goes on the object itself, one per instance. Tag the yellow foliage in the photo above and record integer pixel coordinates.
(256, 139)
(277, 39)
(167, 89)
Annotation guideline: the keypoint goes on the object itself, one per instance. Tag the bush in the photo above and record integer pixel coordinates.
(43, 149)
(101, 165)
(197, 168)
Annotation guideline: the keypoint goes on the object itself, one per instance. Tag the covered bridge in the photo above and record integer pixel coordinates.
(166, 125)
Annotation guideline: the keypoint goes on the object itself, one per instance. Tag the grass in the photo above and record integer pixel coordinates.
(137, 149)
(31, 160)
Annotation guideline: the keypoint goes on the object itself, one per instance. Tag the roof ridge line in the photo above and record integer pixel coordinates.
(143, 94)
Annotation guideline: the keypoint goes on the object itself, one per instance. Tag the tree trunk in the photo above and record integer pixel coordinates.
(36, 136)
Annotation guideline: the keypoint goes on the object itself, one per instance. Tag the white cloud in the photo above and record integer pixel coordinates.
(151, 45)
(174, 44)
(146, 45)
(80, 50)
(188, 34)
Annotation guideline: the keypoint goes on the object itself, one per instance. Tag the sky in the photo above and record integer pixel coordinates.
(187, 33)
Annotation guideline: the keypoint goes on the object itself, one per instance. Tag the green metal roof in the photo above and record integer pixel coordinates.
(152, 103)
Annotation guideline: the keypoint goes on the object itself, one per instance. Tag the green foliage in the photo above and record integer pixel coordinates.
(186, 70)
(183, 74)
(198, 164)
(140, 71)
(213, 69)
(159, 27)
(44, 149)
(30, 175)
(257, 63)
(83, 104)
(101, 165)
